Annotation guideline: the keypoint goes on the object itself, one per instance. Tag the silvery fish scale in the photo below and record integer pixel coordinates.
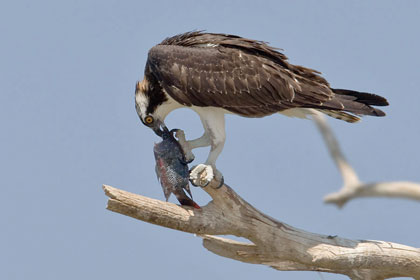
(172, 169)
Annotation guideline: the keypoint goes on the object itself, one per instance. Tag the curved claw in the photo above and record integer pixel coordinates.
(185, 161)
(222, 182)
(174, 130)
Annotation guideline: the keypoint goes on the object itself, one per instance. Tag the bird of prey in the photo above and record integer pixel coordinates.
(218, 74)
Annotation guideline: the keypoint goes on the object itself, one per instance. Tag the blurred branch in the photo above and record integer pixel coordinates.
(273, 243)
(352, 186)
(401, 189)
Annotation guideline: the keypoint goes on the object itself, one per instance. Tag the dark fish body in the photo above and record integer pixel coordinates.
(172, 168)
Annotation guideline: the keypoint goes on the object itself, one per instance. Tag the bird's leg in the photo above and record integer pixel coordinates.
(198, 178)
(216, 149)
(187, 146)
(202, 174)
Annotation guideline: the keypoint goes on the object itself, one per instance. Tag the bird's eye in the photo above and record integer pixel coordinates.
(148, 120)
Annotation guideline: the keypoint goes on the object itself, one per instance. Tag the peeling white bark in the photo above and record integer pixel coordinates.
(352, 186)
(273, 243)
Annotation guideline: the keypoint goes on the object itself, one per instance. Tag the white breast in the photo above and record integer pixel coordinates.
(165, 108)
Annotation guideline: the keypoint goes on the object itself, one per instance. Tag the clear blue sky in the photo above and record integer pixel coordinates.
(68, 125)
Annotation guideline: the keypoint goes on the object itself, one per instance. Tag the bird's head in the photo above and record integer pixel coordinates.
(148, 103)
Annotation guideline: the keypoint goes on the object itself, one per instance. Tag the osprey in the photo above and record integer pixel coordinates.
(218, 74)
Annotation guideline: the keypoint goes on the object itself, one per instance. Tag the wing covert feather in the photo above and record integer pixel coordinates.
(233, 79)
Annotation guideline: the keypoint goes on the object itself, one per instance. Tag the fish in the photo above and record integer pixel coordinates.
(172, 168)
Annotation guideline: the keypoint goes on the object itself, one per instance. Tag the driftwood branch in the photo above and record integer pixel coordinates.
(352, 186)
(272, 243)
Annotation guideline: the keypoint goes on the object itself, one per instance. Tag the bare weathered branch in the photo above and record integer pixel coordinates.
(406, 190)
(273, 243)
(347, 172)
(352, 186)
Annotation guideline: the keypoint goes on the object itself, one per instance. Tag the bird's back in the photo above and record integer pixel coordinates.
(247, 77)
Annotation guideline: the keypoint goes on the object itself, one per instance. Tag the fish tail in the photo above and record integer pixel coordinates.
(189, 202)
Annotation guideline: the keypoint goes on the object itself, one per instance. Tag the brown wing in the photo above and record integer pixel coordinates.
(234, 79)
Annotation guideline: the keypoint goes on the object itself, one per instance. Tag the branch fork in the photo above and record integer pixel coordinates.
(277, 244)
(353, 187)
(272, 242)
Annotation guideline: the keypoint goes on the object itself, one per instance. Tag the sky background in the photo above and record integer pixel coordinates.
(68, 125)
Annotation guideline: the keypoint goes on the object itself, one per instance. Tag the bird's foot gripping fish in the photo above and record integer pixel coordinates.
(172, 168)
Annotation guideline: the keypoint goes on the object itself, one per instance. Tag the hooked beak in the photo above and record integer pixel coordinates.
(159, 128)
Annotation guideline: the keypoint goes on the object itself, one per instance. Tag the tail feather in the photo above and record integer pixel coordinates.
(349, 102)
(362, 97)
(340, 115)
